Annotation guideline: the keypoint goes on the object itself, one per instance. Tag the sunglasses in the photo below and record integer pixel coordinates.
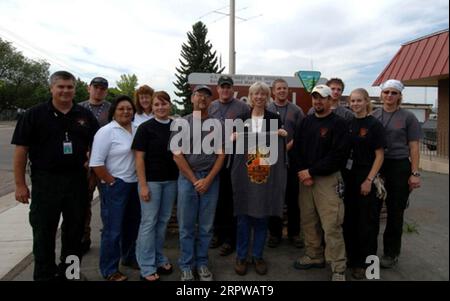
(390, 92)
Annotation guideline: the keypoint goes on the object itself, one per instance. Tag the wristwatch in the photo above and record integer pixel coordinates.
(415, 174)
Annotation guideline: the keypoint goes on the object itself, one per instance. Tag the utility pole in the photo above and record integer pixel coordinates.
(232, 39)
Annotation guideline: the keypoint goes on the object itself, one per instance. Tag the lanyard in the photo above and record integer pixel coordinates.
(283, 118)
(389, 120)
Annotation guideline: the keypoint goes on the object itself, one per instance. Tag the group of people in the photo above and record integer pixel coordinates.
(334, 168)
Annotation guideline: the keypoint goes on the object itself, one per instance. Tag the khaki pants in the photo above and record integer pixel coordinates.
(322, 214)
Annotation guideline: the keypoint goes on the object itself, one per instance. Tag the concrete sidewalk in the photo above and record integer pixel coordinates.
(425, 252)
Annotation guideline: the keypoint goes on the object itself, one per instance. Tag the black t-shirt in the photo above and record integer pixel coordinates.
(153, 137)
(45, 130)
(367, 135)
(321, 144)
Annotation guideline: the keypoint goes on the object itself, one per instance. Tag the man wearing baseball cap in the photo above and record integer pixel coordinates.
(337, 88)
(226, 107)
(198, 189)
(99, 107)
(320, 151)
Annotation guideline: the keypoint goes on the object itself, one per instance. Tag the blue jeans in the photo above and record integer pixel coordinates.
(195, 210)
(244, 225)
(120, 214)
(155, 216)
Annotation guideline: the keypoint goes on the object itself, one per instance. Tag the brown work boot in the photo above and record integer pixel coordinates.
(240, 267)
(260, 266)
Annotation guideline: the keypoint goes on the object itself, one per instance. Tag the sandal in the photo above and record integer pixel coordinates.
(165, 269)
(226, 249)
(117, 276)
(151, 278)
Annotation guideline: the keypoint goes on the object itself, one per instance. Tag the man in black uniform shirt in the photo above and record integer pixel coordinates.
(320, 150)
(55, 137)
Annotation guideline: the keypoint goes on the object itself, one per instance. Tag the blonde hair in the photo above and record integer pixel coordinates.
(257, 87)
(366, 97)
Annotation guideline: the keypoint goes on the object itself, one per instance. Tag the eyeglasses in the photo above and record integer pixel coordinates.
(202, 95)
(394, 93)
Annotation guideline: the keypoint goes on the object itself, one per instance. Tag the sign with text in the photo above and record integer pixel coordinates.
(297, 93)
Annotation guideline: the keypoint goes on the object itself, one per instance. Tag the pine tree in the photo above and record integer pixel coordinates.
(196, 56)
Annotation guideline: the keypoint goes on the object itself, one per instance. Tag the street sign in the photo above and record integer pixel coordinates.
(308, 79)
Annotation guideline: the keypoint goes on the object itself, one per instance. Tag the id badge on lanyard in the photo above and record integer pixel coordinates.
(349, 164)
(67, 146)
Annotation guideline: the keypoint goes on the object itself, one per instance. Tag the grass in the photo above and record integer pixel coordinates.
(410, 228)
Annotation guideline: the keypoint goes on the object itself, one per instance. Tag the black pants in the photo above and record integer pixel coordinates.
(224, 221)
(293, 211)
(54, 194)
(396, 174)
(362, 218)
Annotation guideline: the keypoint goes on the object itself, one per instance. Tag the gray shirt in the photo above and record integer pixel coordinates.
(401, 127)
(290, 116)
(341, 111)
(259, 190)
(100, 111)
(229, 110)
(197, 161)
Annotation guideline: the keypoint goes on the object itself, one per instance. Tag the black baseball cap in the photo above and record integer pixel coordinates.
(202, 87)
(99, 81)
(225, 80)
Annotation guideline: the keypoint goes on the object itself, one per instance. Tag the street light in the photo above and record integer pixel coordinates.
(232, 52)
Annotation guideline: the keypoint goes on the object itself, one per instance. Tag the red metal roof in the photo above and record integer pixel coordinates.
(421, 62)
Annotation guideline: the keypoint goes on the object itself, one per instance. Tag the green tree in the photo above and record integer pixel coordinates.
(23, 82)
(112, 93)
(127, 84)
(196, 56)
(81, 91)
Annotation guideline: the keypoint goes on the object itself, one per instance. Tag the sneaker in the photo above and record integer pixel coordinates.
(305, 262)
(204, 274)
(260, 266)
(338, 277)
(187, 275)
(388, 262)
(358, 273)
(241, 267)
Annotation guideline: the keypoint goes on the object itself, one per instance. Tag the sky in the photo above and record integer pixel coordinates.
(350, 39)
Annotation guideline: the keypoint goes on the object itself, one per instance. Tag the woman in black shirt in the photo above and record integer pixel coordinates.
(157, 176)
(362, 207)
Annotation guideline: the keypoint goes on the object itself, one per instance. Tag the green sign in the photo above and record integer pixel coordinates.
(308, 79)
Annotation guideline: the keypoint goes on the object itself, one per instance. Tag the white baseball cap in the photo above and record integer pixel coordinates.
(323, 90)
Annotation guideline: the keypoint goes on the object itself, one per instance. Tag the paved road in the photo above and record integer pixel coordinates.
(425, 252)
